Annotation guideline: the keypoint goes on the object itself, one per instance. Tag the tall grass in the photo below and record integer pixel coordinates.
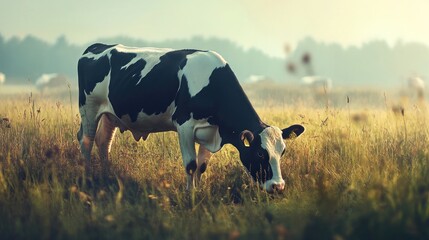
(346, 178)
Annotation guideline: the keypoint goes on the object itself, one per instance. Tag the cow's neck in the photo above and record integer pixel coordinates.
(235, 113)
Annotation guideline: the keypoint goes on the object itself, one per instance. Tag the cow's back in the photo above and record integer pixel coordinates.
(133, 79)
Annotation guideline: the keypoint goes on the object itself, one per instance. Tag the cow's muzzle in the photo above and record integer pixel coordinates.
(272, 186)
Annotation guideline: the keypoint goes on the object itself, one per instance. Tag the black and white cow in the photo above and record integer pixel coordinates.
(192, 92)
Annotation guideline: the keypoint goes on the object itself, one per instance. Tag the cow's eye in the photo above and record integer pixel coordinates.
(283, 153)
(260, 154)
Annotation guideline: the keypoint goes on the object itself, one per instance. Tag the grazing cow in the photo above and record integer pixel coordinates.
(257, 78)
(51, 81)
(318, 83)
(192, 92)
(2, 78)
(416, 84)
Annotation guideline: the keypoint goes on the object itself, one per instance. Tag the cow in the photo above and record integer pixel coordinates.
(416, 85)
(2, 78)
(318, 83)
(51, 82)
(192, 92)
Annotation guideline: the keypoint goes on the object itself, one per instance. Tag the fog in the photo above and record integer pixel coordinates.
(356, 44)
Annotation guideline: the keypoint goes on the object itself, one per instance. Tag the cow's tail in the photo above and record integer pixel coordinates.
(80, 133)
(81, 83)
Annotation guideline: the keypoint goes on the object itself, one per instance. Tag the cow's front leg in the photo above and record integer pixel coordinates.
(187, 147)
(203, 160)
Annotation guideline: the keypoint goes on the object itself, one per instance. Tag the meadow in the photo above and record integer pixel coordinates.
(360, 171)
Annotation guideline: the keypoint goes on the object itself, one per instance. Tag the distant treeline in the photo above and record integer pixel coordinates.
(26, 59)
(374, 63)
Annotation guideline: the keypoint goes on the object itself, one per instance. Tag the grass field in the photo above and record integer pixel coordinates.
(356, 173)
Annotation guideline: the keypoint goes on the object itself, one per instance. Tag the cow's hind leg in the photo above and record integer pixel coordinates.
(203, 160)
(103, 140)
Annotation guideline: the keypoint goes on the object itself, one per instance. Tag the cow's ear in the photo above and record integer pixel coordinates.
(292, 131)
(246, 137)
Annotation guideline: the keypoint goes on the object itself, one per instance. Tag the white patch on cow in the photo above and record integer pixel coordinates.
(97, 101)
(94, 56)
(150, 55)
(272, 142)
(198, 68)
(187, 148)
(134, 60)
(208, 136)
(101, 90)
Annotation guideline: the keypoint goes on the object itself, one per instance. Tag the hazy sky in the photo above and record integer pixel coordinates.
(264, 24)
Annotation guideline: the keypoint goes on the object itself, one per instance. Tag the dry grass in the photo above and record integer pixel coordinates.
(345, 179)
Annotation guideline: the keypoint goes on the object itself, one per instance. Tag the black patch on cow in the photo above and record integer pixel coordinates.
(234, 109)
(122, 81)
(154, 93)
(182, 101)
(183, 63)
(256, 160)
(120, 59)
(203, 105)
(98, 48)
(91, 72)
(191, 167)
(203, 167)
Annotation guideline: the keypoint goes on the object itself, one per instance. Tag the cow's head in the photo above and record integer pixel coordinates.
(261, 153)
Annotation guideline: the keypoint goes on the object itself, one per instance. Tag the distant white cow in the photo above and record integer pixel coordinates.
(51, 81)
(317, 83)
(416, 84)
(2, 78)
(256, 78)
